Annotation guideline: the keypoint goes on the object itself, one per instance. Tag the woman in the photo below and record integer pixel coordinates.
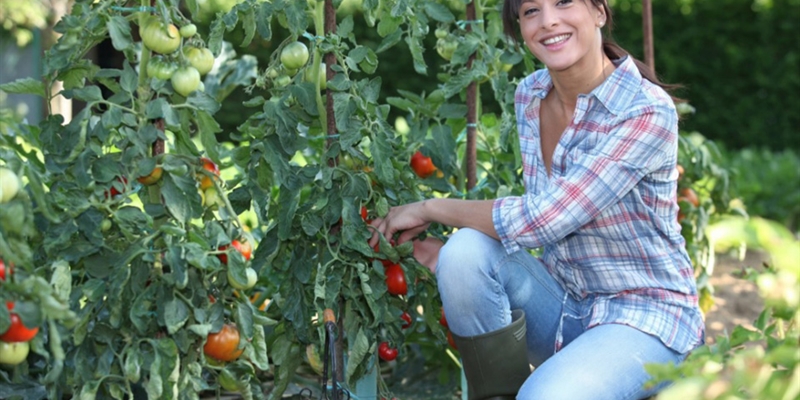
(614, 288)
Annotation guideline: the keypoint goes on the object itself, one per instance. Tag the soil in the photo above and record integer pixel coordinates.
(736, 300)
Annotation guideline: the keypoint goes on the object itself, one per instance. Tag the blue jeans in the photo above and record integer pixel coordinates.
(480, 284)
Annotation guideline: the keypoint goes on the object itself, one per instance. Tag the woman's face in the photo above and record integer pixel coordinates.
(562, 33)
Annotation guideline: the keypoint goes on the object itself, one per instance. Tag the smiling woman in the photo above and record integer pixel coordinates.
(614, 287)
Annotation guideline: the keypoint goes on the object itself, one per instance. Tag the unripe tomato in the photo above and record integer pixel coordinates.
(294, 55)
(5, 271)
(160, 68)
(422, 165)
(185, 80)
(188, 31)
(158, 37)
(441, 33)
(396, 280)
(200, 58)
(9, 185)
(223, 345)
(308, 76)
(210, 166)
(211, 198)
(17, 331)
(105, 225)
(151, 178)
(386, 353)
(14, 353)
(282, 81)
(446, 48)
(252, 278)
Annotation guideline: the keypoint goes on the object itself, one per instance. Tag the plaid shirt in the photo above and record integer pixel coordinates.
(606, 218)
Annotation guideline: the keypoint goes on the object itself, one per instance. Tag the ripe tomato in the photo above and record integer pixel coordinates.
(451, 341)
(407, 318)
(223, 345)
(443, 320)
(113, 192)
(160, 68)
(422, 165)
(210, 166)
(689, 195)
(364, 213)
(17, 332)
(294, 55)
(5, 271)
(244, 247)
(386, 353)
(158, 37)
(252, 278)
(14, 353)
(9, 185)
(185, 80)
(396, 280)
(151, 178)
(188, 31)
(200, 58)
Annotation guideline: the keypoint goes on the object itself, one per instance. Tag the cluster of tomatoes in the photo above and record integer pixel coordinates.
(294, 56)
(14, 342)
(687, 197)
(182, 69)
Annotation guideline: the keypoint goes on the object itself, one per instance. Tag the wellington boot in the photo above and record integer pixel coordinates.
(496, 363)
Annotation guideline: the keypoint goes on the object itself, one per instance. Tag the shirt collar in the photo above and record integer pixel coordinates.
(615, 93)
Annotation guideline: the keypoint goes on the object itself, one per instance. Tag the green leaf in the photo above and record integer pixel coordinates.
(388, 25)
(439, 12)
(263, 20)
(416, 48)
(180, 197)
(120, 31)
(249, 25)
(359, 348)
(24, 86)
(87, 94)
(207, 126)
(389, 41)
(257, 353)
(176, 314)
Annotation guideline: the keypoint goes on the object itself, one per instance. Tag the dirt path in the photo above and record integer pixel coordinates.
(736, 300)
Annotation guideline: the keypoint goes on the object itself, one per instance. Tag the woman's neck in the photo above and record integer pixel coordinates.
(580, 79)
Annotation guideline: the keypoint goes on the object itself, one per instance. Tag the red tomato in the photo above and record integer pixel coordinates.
(210, 166)
(5, 271)
(396, 280)
(407, 318)
(443, 320)
(451, 341)
(113, 192)
(17, 332)
(244, 247)
(386, 353)
(364, 213)
(377, 249)
(422, 165)
(223, 344)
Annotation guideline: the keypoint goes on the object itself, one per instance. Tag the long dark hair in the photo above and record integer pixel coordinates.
(610, 47)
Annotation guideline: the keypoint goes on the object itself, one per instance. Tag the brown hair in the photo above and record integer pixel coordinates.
(610, 48)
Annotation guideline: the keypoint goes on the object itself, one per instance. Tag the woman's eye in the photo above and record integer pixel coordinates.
(529, 11)
(563, 2)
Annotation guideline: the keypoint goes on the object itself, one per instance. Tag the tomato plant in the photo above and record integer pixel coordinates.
(13, 353)
(387, 353)
(224, 344)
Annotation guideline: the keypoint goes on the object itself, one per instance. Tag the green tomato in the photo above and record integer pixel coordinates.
(441, 33)
(185, 80)
(308, 76)
(294, 55)
(446, 48)
(252, 277)
(105, 225)
(160, 68)
(283, 80)
(200, 58)
(9, 185)
(14, 353)
(158, 37)
(188, 31)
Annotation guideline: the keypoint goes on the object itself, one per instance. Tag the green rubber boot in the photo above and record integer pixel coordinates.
(496, 363)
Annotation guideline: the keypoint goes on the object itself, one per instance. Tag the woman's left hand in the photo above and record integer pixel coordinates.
(409, 220)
